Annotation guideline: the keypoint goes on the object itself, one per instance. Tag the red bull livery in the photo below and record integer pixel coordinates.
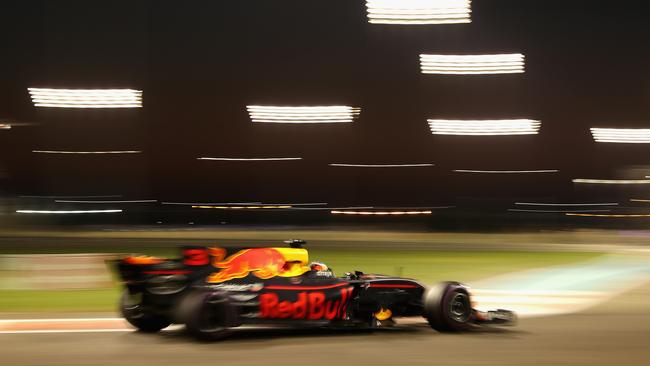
(214, 290)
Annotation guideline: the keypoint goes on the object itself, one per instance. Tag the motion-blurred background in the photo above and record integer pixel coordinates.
(433, 139)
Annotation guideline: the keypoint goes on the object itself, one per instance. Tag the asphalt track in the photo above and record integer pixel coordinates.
(615, 332)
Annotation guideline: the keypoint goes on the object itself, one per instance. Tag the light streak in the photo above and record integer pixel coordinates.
(67, 197)
(86, 98)
(484, 127)
(210, 203)
(248, 159)
(512, 63)
(611, 181)
(505, 171)
(87, 152)
(380, 165)
(244, 207)
(303, 114)
(381, 213)
(418, 11)
(565, 204)
(608, 215)
(621, 135)
(125, 201)
(66, 211)
(554, 211)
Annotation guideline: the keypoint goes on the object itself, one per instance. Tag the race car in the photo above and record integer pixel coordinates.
(213, 290)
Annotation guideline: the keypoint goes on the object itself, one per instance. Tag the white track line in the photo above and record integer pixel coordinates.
(48, 331)
(36, 320)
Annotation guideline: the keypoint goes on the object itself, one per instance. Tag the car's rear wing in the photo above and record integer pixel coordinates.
(193, 260)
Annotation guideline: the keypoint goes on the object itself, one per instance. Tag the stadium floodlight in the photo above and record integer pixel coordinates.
(611, 181)
(380, 165)
(248, 159)
(5, 126)
(484, 127)
(66, 211)
(505, 171)
(381, 213)
(621, 135)
(419, 11)
(86, 98)
(87, 152)
(315, 114)
(511, 63)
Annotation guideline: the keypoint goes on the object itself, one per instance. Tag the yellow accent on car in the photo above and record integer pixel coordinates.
(294, 255)
(296, 259)
(383, 314)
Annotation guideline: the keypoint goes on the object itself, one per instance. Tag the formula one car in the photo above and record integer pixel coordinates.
(213, 290)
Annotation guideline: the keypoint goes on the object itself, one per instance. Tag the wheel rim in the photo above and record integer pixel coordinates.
(459, 307)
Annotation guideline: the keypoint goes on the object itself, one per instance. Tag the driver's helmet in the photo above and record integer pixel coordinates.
(318, 266)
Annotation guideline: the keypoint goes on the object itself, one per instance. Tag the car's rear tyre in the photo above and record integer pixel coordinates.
(132, 311)
(210, 316)
(447, 307)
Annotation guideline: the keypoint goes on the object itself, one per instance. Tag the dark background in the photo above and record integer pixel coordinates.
(200, 63)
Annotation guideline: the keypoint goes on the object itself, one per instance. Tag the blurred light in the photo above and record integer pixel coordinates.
(210, 204)
(257, 203)
(638, 200)
(248, 159)
(64, 197)
(5, 126)
(566, 204)
(86, 98)
(554, 211)
(380, 213)
(379, 165)
(472, 64)
(66, 212)
(244, 207)
(316, 114)
(298, 204)
(506, 171)
(418, 11)
(87, 152)
(607, 215)
(127, 201)
(332, 208)
(484, 127)
(622, 135)
(612, 181)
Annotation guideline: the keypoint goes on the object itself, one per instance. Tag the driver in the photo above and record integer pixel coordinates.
(321, 269)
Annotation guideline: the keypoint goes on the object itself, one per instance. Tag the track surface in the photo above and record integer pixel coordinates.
(616, 332)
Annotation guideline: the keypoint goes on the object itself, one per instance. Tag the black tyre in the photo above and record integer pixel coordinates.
(132, 311)
(447, 307)
(210, 316)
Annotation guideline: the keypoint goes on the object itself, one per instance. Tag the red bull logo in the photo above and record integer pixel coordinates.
(263, 263)
(308, 305)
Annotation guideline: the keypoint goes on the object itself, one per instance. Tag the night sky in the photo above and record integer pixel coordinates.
(200, 63)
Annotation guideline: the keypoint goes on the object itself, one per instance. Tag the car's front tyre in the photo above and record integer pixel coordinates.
(447, 307)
